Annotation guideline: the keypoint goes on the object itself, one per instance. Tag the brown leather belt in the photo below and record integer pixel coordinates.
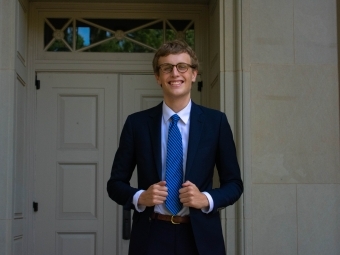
(173, 219)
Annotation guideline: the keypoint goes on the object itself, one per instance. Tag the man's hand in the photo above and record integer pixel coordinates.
(191, 196)
(156, 194)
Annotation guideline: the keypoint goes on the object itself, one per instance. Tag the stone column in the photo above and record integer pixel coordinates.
(7, 82)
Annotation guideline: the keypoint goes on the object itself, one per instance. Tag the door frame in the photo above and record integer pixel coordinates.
(233, 99)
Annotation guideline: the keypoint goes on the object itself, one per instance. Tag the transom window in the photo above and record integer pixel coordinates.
(114, 35)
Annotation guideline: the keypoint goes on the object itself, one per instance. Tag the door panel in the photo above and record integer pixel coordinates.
(75, 114)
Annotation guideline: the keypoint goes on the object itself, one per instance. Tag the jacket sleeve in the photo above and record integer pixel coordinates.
(118, 186)
(231, 185)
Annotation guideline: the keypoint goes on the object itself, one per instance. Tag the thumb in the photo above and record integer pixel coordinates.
(161, 183)
(187, 183)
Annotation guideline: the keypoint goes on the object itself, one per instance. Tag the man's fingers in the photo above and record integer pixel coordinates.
(154, 195)
(158, 200)
(157, 190)
(160, 186)
(188, 187)
(149, 198)
(191, 196)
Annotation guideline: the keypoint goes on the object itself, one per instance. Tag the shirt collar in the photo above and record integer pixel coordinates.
(184, 114)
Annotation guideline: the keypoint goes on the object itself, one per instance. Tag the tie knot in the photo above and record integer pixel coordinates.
(175, 118)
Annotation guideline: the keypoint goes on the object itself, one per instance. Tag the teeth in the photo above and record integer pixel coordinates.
(175, 82)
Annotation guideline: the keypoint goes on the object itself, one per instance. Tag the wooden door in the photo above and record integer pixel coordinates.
(79, 120)
(77, 117)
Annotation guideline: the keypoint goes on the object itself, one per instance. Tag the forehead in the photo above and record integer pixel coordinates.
(175, 59)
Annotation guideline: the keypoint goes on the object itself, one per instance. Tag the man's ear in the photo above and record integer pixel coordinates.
(194, 75)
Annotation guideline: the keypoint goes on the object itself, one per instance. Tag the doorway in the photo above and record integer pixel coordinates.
(81, 106)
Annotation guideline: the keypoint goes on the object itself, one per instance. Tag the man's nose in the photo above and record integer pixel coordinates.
(174, 71)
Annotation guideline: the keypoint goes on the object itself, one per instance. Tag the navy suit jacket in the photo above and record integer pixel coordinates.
(210, 144)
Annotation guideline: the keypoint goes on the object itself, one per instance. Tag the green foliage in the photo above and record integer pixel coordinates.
(147, 36)
(58, 45)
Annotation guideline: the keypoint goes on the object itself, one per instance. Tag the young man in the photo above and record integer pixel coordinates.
(176, 146)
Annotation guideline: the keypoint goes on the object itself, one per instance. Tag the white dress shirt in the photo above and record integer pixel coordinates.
(184, 126)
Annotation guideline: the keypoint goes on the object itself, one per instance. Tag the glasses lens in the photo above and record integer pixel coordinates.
(166, 68)
(182, 67)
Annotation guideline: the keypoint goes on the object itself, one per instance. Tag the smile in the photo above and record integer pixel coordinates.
(175, 83)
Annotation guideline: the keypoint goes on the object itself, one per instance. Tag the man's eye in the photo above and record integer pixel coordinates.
(167, 68)
(182, 66)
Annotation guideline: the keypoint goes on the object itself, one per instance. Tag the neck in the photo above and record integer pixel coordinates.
(176, 105)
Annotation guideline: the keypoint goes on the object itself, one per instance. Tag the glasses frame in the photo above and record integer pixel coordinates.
(172, 67)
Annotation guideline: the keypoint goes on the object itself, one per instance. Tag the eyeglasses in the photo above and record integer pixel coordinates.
(181, 67)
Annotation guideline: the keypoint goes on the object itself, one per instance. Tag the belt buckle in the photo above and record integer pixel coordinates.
(172, 220)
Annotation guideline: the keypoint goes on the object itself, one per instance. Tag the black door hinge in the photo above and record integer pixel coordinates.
(199, 85)
(37, 82)
(35, 206)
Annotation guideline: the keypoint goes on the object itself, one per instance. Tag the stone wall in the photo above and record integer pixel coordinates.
(290, 70)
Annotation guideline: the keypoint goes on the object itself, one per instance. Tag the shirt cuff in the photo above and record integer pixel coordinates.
(139, 208)
(209, 208)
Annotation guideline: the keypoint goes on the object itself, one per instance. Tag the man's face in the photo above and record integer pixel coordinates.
(175, 84)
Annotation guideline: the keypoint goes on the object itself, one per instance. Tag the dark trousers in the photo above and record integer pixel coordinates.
(170, 239)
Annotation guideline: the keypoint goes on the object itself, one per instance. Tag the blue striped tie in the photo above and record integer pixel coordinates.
(174, 166)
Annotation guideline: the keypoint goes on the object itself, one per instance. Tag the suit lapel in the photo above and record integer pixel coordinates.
(196, 125)
(155, 134)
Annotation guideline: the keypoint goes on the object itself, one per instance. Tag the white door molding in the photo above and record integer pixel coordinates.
(227, 94)
(232, 102)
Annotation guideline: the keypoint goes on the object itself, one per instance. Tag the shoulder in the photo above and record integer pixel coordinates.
(211, 118)
(153, 111)
(207, 112)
